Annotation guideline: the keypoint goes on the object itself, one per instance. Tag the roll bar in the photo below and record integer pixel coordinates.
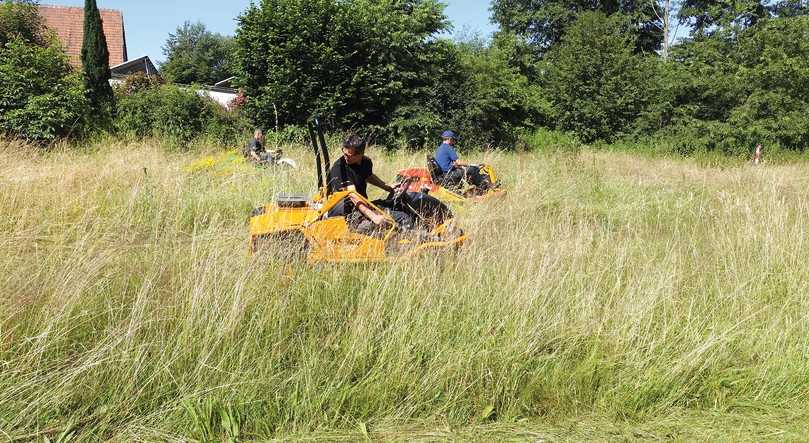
(319, 146)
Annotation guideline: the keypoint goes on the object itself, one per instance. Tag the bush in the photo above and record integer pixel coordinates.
(21, 19)
(41, 98)
(550, 140)
(176, 114)
(497, 102)
(477, 94)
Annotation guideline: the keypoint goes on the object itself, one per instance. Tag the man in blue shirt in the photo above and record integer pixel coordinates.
(453, 168)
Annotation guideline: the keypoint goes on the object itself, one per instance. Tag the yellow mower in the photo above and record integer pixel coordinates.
(297, 227)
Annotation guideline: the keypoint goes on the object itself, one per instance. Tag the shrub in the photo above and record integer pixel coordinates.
(550, 140)
(176, 114)
(477, 94)
(497, 102)
(41, 98)
(21, 19)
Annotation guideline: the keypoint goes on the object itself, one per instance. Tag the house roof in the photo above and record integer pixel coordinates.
(68, 24)
(141, 64)
(226, 82)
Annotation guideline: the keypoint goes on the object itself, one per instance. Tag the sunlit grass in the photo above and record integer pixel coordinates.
(605, 296)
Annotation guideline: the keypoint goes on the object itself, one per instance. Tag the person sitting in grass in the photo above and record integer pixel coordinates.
(354, 169)
(256, 152)
(454, 170)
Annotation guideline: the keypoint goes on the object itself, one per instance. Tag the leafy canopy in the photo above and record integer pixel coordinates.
(754, 88)
(353, 60)
(543, 23)
(196, 55)
(21, 18)
(595, 82)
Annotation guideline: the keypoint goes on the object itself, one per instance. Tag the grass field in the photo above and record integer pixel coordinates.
(606, 296)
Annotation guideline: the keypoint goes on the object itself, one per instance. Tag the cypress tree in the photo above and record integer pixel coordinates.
(95, 59)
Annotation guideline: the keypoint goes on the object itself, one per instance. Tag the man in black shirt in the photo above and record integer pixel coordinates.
(353, 168)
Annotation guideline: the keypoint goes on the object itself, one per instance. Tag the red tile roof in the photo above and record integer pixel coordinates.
(68, 24)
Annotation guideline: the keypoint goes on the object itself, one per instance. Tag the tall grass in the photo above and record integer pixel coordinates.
(604, 295)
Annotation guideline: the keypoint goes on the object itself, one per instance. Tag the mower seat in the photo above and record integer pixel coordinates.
(435, 171)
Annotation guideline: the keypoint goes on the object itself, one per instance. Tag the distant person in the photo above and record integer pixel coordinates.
(354, 169)
(454, 170)
(256, 152)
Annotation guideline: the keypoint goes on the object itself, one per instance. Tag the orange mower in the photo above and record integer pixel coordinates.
(431, 180)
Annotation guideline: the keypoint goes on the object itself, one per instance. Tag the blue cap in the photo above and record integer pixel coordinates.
(448, 134)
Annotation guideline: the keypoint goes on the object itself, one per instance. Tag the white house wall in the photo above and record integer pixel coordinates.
(223, 98)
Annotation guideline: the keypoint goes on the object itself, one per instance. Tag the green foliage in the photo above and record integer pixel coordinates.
(95, 61)
(21, 18)
(730, 94)
(716, 16)
(41, 99)
(196, 55)
(544, 23)
(213, 421)
(176, 114)
(137, 82)
(549, 140)
(495, 102)
(597, 85)
(355, 61)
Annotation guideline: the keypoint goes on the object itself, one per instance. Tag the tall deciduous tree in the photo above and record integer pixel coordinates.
(597, 85)
(708, 16)
(95, 59)
(355, 60)
(196, 55)
(543, 23)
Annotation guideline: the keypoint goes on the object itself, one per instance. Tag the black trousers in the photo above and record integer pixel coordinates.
(453, 178)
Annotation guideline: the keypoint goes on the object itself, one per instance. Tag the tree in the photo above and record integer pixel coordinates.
(21, 18)
(95, 60)
(596, 84)
(196, 55)
(709, 16)
(748, 89)
(495, 100)
(354, 60)
(543, 23)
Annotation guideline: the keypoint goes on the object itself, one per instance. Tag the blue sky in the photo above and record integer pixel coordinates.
(149, 22)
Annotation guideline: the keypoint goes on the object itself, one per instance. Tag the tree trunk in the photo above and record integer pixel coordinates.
(666, 25)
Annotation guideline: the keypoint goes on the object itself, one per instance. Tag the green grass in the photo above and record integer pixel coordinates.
(606, 296)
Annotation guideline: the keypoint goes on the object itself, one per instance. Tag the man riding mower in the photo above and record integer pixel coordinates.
(450, 179)
(341, 225)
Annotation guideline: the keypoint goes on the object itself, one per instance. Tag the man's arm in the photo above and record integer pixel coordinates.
(376, 181)
(375, 217)
(455, 161)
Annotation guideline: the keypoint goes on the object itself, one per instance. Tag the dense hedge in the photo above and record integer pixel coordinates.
(41, 98)
(177, 114)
